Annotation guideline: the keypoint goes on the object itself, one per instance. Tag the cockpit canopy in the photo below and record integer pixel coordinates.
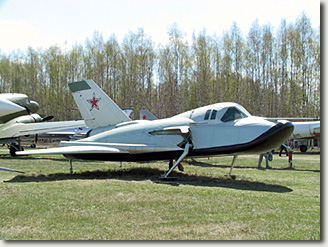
(232, 114)
(223, 112)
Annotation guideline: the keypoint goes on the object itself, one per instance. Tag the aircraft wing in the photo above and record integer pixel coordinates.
(80, 147)
(292, 118)
(131, 148)
(74, 150)
(26, 129)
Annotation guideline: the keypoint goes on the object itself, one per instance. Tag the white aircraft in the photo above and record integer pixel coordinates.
(7, 107)
(218, 129)
(303, 131)
(18, 118)
(147, 115)
(15, 105)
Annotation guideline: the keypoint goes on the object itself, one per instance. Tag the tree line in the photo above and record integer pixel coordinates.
(269, 73)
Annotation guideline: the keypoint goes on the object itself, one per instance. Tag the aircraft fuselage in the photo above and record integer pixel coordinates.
(219, 129)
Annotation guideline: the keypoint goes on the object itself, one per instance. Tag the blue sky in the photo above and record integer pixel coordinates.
(42, 23)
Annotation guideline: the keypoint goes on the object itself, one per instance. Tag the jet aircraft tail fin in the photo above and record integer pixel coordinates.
(97, 109)
(147, 115)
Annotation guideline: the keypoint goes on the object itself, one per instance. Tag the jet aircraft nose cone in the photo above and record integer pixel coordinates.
(275, 136)
(33, 106)
(287, 129)
(7, 107)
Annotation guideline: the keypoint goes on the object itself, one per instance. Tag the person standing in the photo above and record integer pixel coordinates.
(268, 157)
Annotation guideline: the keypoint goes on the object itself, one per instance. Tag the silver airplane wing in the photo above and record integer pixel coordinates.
(73, 150)
(25, 129)
(108, 148)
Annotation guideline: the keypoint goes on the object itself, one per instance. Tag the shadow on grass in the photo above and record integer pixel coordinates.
(204, 164)
(140, 174)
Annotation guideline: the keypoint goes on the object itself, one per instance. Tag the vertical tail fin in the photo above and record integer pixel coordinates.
(97, 109)
(147, 115)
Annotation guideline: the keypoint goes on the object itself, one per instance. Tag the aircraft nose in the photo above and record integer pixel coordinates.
(7, 107)
(275, 136)
(33, 106)
(286, 129)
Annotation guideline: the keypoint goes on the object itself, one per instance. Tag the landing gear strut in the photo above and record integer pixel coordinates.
(183, 155)
(180, 166)
(71, 166)
(232, 166)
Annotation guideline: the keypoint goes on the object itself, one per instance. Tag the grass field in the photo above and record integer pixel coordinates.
(100, 202)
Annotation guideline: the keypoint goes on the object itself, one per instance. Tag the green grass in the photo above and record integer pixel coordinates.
(133, 204)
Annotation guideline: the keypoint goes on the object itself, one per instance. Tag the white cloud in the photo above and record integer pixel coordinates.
(20, 35)
(17, 35)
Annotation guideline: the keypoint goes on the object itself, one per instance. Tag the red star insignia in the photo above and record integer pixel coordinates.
(94, 102)
(144, 117)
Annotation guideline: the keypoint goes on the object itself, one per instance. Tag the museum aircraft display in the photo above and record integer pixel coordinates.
(147, 115)
(304, 129)
(218, 129)
(14, 105)
(18, 118)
